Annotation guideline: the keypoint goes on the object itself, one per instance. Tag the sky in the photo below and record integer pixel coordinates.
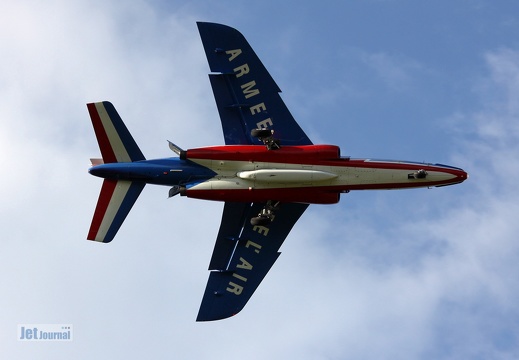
(417, 274)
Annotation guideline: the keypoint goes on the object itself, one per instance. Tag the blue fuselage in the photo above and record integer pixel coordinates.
(167, 171)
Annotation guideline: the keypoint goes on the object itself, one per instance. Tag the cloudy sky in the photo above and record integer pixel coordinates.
(418, 274)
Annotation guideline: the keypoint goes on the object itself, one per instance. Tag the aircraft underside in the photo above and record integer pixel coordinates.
(313, 182)
(267, 173)
(229, 173)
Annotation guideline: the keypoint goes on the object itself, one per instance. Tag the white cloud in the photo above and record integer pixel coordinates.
(458, 300)
(442, 285)
(397, 71)
(437, 282)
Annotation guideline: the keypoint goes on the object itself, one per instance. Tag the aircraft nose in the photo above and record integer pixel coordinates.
(463, 175)
(449, 175)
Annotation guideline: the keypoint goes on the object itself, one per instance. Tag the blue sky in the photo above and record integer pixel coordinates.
(421, 274)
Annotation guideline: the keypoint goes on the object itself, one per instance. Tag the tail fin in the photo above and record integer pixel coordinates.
(115, 202)
(117, 196)
(115, 141)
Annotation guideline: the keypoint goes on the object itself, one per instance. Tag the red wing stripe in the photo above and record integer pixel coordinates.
(102, 205)
(102, 137)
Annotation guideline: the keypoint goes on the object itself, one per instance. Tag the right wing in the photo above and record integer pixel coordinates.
(246, 95)
(243, 255)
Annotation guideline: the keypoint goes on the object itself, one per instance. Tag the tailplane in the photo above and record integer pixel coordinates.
(115, 202)
(117, 196)
(115, 141)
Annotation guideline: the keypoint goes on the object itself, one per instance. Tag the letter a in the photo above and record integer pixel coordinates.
(244, 264)
(233, 53)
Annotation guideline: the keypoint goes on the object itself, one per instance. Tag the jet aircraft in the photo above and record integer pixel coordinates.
(267, 173)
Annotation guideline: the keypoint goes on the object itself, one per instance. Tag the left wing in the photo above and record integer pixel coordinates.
(243, 255)
(246, 95)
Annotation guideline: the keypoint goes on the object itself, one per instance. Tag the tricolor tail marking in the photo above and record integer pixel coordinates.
(115, 202)
(115, 141)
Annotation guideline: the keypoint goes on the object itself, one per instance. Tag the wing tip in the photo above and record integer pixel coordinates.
(206, 317)
(210, 27)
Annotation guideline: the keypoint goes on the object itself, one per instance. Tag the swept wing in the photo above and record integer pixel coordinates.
(243, 255)
(247, 98)
(246, 95)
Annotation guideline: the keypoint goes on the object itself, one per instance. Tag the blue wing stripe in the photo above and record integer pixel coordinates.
(257, 249)
(115, 202)
(233, 218)
(234, 128)
(246, 95)
(131, 196)
(127, 140)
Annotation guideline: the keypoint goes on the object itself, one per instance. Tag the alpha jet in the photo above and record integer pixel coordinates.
(267, 173)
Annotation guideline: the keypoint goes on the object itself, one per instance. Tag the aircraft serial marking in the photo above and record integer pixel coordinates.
(248, 89)
(252, 243)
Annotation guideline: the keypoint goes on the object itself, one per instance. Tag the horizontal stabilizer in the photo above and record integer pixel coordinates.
(115, 141)
(115, 202)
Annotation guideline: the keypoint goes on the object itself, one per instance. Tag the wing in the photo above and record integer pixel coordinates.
(242, 256)
(246, 95)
